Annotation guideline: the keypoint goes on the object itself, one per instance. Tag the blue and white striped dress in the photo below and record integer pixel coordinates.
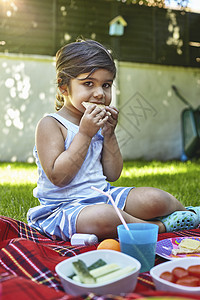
(59, 206)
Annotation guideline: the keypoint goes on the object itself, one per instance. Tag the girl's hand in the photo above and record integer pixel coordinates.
(109, 126)
(93, 119)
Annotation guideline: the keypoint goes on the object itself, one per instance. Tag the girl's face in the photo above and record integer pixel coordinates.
(93, 88)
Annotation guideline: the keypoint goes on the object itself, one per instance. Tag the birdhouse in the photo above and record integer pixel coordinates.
(116, 26)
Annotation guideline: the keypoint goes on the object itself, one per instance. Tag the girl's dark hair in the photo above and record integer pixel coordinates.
(83, 56)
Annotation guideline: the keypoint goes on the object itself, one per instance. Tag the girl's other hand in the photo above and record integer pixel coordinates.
(111, 123)
(93, 119)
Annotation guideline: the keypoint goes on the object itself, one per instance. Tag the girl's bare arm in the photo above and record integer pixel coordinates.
(62, 165)
(112, 160)
(111, 157)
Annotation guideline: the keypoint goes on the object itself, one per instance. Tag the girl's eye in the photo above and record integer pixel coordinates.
(88, 83)
(91, 84)
(107, 85)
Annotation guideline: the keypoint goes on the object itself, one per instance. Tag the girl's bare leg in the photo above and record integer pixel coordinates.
(142, 205)
(147, 203)
(102, 220)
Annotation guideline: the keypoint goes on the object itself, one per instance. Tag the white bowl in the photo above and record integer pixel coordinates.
(164, 285)
(124, 284)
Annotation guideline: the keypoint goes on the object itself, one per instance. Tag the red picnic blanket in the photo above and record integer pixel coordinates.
(28, 260)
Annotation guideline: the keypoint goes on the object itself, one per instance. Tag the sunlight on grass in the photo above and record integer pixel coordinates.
(155, 168)
(178, 178)
(18, 173)
(17, 181)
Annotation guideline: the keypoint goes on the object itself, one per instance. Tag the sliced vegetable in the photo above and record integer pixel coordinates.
(99, 263)
(179, 272)
(100, 271)
(76, 278)
(194, 270)
(81, 270)
(188, 281)
(187, 277)
(168, 276)
(104, 270)
(114, 274)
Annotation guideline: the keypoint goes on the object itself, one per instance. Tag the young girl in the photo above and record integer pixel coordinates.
(76, 148)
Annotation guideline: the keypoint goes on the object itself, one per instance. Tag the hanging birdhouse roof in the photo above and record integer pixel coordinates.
(118, 19)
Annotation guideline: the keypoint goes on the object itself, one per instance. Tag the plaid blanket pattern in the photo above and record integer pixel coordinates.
(28, 260)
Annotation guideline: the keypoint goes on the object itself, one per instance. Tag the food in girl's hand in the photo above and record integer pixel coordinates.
(187, 277)
(187, 246)
(99, 272)
(87, 104)
(102, 106)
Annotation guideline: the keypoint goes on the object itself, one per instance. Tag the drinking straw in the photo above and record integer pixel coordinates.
(114, 205)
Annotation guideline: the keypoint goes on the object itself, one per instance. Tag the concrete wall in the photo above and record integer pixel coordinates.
(28, 88)
(150, 122)
(149, 125)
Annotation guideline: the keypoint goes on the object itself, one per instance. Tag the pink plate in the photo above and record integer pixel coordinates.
(164, 248)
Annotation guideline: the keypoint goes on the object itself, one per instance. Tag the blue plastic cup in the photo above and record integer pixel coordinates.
(139, 242)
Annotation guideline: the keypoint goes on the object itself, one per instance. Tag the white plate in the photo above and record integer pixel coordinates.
(164, 248)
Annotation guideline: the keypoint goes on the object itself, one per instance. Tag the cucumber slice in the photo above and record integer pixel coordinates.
(81, 270)
(99, 263)
(104, 270)
(115, 274)
(101, 274)
(76, 278)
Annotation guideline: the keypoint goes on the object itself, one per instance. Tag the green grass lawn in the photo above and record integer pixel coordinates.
(181, 179)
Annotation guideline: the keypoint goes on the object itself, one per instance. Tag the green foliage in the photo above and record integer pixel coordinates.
(17, 181)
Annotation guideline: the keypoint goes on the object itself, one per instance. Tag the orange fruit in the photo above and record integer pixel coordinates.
(109, 244)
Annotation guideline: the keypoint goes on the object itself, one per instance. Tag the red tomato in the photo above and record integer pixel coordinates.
(188, 281)
(194, 270)
(167, 276)
(179, 272)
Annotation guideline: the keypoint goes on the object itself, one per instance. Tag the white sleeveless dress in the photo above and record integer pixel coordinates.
(59, 207)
